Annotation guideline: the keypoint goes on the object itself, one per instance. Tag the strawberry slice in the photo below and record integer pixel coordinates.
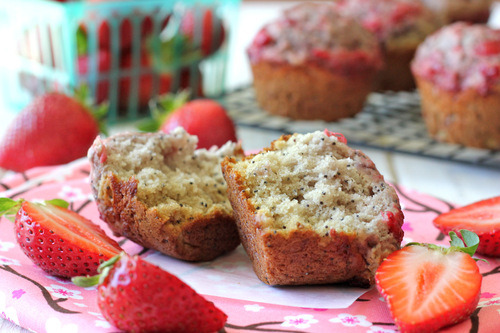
(428, 287)
(58, 240)
(137, 296)
(482, 217)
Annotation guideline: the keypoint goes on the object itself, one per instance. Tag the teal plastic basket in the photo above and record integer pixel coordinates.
(126, 52)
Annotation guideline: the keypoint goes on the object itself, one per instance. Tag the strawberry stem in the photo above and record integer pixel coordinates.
(161, 108)
(58, 202)
(104, 268)
(456, 244)
(99, 112)
(86, 281)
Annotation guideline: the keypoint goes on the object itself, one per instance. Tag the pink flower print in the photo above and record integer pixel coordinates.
(10, 314)
(300, 321)
(100, 322)
(253, 307)
(351, 320)
(81, 305)
(18, 293)
(72, 194)
(487, 295)
(490, 302)
(8, 261)
(407, 227)
(5, 246)
(7, 312)
(62, 292)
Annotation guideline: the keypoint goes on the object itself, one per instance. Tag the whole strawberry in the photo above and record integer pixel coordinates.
(482, 217)
(137, 296)
(58, 240)
(204, 29)
(205, 118)
(54, 129)
(428, 287)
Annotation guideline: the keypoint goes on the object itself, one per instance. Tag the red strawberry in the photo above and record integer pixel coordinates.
(204, 118)
(145, 82)
(58, 240)
(103, 66)
(204, 29)
(53, 129)
(482, 217)
(126, 36)
(428, 287)
(137, 296)
(488, 48)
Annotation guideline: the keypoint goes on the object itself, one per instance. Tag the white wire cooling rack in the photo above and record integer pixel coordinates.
(389, 121)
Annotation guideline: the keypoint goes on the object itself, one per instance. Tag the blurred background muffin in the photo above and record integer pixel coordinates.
(457, 70)
(312, 63)
(474, 11)
(400, 26)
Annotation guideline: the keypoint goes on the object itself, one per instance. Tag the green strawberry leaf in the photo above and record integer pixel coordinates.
(81, 41)
(148, 125)
(161, 108)
(174, 51)
(99, 112)
(9, 208)
(58, 202)
(470, 238)
(471, 242)
(455, 240)
(457, 244)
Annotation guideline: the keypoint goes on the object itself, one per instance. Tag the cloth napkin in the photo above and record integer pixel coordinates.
(38, 302)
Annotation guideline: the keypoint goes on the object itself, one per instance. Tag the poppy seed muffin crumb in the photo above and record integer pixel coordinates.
(312, 210)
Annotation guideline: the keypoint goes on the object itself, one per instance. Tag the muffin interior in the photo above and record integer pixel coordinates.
(316, 182)
(172, 175)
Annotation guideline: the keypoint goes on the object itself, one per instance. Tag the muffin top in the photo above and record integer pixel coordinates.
(315, 33)
(460, 56)
(389, 19)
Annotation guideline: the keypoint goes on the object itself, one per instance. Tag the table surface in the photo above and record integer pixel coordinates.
(450, 181)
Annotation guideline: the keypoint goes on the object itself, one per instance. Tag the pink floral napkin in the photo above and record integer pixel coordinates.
(41, 303)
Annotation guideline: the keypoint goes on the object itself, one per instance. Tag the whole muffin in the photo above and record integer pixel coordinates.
(473, 11)
(458, 75)
(311, 210)
(400, 26)
(311, 63)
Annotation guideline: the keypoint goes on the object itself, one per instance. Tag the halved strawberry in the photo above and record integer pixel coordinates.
(137, 296)
(482, 217)
(428, 287)
(58, 240)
